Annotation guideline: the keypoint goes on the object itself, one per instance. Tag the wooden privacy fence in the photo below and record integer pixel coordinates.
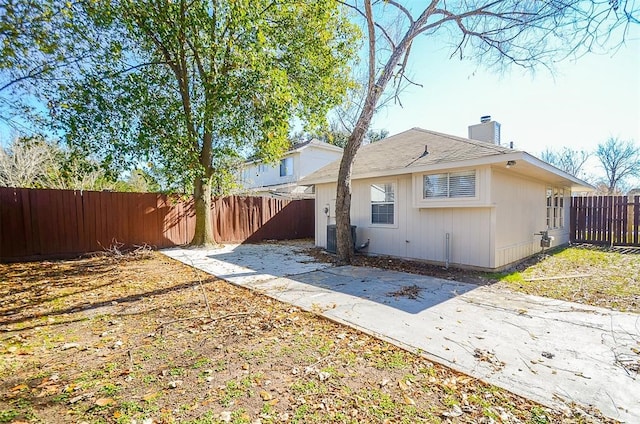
(62, 223)
(608, 220)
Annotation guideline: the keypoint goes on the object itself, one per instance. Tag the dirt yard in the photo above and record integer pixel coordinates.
(148, 340)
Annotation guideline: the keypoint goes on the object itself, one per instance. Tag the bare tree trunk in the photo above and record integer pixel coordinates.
(344, 242)
(203, 235)
(374, 91)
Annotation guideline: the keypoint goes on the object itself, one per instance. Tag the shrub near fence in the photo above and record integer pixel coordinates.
(36, 224)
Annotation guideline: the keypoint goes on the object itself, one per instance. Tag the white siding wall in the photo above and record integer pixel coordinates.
(495, 234)
(325, 198)
(417, 233)
(313, 158)
(520, 213)
(306, 161)
(257, 175)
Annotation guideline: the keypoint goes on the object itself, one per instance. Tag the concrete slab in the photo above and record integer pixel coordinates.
(246, 263)
(547, 350)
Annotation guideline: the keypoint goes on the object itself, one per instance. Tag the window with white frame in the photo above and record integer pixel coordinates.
(286, 167)
(450, 185)
(383, 202)
(555, 207)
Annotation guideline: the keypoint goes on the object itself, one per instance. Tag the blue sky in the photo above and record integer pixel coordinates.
(582, 103)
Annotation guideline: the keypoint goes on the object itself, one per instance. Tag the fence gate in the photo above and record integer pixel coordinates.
(607, 220)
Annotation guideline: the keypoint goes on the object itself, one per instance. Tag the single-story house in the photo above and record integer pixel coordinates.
(449, 200)
(283, 178)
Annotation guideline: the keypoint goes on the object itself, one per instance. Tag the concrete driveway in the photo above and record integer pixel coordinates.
(546, 350)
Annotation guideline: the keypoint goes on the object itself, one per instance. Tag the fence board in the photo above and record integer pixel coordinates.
(38, 224)
(636, 221)
(606, 220)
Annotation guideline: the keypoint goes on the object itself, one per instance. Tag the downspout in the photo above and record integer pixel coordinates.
(447, 248)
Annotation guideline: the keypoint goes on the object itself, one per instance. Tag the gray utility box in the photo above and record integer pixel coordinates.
(332, 243)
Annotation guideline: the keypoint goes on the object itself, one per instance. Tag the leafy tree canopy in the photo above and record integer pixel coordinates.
(192, 85)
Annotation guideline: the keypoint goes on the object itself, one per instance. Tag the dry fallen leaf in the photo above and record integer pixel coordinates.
(104, 401)
(150, 396)
(455, 411)
(19, 387)
(408, 400)
(265, 395)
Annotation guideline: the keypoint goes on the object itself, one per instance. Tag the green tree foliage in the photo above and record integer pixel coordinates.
(40, 42)
(193, 86)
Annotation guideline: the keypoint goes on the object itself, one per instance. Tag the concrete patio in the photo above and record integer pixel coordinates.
(547, 350)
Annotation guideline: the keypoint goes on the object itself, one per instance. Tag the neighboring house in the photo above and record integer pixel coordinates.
(282, 179)
(446, 199)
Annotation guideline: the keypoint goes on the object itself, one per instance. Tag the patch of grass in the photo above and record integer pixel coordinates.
(392, 360)
(538, 416)
(176, 371)
(381, 404)
(220, 365)
(257, 355)
(585, 275)
(109, 390)
(232, 390)
(110, 367)
(129, 410)
(201, 363)
(239, 416)
(308, 387)
(60, 397)
(348, 357)
(8, 415)
(207, 418)
(149, 379)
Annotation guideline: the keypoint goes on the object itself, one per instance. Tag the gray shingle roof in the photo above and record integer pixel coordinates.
(405, 150)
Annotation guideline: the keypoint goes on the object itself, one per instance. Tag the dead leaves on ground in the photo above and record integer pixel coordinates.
(134, 341)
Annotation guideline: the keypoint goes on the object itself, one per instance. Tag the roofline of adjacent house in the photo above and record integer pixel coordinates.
(317, 143)
(485, 160)
(276, 186)
(301, 146)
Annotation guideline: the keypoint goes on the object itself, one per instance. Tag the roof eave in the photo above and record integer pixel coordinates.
(575, 183)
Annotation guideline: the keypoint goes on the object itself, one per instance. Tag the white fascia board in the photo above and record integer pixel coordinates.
(575, 181)
(487, 160)
(319, 145)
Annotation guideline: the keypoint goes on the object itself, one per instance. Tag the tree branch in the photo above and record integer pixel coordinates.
(402, 9)
(372, 45)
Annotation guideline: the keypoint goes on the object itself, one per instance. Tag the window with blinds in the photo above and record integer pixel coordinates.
(450, 184)
(382, 203)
